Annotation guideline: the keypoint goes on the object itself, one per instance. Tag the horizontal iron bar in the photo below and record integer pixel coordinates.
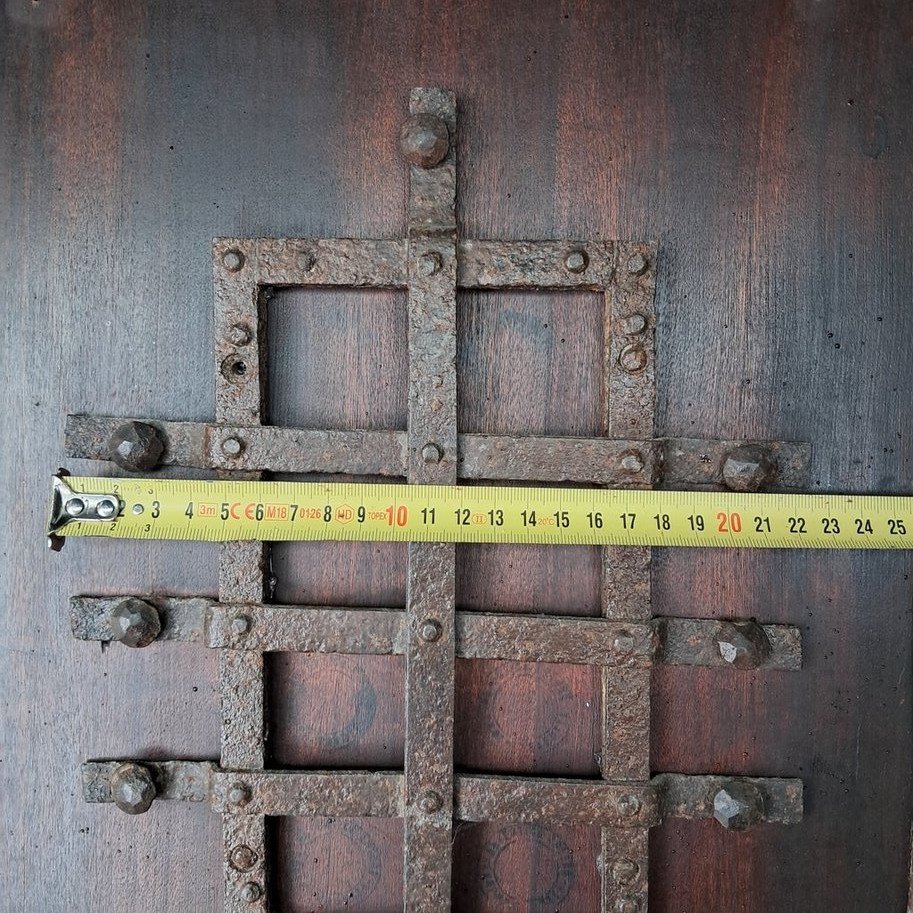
(666, 462)
(479, 635)
(351, 262)
(477, 797)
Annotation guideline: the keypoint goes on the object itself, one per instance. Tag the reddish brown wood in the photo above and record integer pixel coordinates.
(766, 148)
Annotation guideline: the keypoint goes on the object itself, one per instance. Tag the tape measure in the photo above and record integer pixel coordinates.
(221, 511)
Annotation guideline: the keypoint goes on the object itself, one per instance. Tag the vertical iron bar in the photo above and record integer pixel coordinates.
(240, 382)
(428, 815)
(630, 399)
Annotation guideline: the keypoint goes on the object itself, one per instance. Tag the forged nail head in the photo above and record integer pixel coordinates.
(132, 788)
(633, 324)
(238, 334)
(430, 802)
(738, 805)
(251, 892)
(232, 447)
(431, 453)
(748, 468)
(576, 261)
(625, 871)
(633, 358)
(623, 643)
(637, 264)
(632, 461)
(242, 858)
(429, 263)
(430, 630)
(240, 624)
(136, 446)
(743, 644)
(424, 140)
(233, 260)
(238, 794)
(134, 622)
(628, 805)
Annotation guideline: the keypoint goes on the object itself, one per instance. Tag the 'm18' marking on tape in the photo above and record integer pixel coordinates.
(281, 511)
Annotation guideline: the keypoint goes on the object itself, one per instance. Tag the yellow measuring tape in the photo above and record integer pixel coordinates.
(219, 511)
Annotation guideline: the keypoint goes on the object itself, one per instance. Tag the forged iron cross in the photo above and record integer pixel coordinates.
(431, 263)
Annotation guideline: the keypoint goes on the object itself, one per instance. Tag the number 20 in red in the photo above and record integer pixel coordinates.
(728, 523)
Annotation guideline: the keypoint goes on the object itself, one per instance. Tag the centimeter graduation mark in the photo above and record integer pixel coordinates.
(217, 510)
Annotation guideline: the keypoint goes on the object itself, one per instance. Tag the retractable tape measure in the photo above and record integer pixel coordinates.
(221, 511)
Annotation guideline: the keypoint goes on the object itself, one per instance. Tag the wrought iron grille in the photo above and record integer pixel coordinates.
(431, 263)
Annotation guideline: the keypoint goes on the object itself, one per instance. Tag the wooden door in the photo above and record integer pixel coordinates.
(764, 149)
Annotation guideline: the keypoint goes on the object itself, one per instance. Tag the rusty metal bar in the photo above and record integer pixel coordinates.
(189, 781)
(428, 144)
(330, 794)
(240, 345)
(695, 463)
(630, 403)
(600, 461)
(584, 265)
(617, 806)
(350, 262)
(730, 644)
(779, 800)
(616, 461)
(557, 801)
(479, 635)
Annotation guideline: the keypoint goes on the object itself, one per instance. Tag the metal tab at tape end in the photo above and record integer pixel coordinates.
(68, 505)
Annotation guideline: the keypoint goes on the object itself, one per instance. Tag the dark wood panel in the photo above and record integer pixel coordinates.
(766, 147)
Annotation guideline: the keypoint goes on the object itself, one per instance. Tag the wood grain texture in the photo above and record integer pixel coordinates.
(765, 147)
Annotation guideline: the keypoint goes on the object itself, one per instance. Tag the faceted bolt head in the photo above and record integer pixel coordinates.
(738, 805)
(576, 261)
(132, 788)
(637, 264)
(624, 871)
(430, 802)
(424, 140)
(743, 644)
(240, 624)
(251, 892)
(633, 358)
(628, 805)
(633, 324)
(238, 334)
(136, 446)
(748, 468)
(623, 643)
(233, 260)
(238, 794)
(134, 622)
(242, 858)
(627, 905)
(429, 263)
(232, 447)
(632, 461)
(430, 630)
(431, 453)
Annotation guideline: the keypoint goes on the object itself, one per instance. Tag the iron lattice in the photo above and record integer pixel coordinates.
(431, 264)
